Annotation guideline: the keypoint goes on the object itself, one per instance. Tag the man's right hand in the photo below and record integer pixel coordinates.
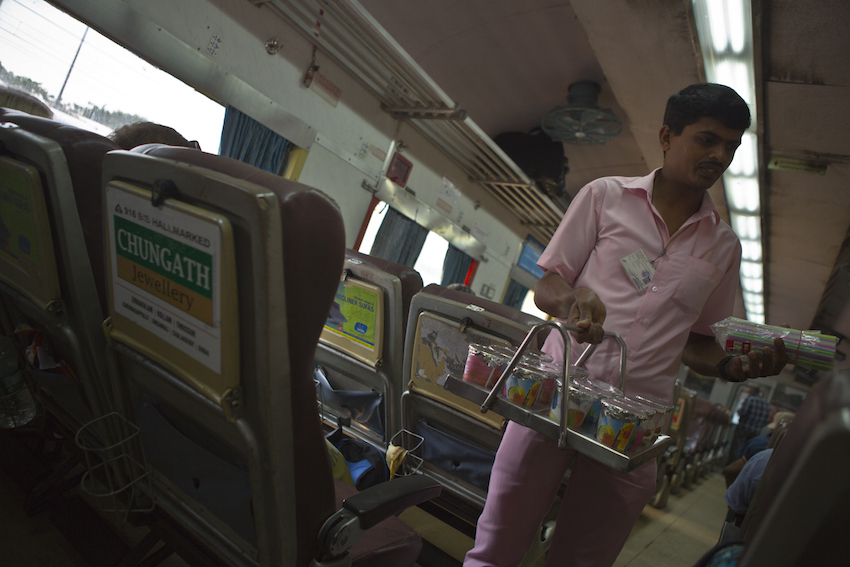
(577, 306)
(587, 313)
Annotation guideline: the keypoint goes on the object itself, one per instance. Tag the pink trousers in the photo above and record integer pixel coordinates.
(599, 508)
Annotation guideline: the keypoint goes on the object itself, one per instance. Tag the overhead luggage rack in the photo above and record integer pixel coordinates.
(566, 437)
(350, 35)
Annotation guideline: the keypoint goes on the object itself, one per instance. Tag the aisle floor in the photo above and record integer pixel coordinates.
(681, 533)
(674, 537)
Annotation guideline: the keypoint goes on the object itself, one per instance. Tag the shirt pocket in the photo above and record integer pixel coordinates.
(699, 279)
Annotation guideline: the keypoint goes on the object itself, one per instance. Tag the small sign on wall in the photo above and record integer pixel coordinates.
(214, 45)
(323, 87)
(447, 196)
(797, 165)
(480, 234)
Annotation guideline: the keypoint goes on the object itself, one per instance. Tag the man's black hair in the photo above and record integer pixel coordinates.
(139, 133)
(706, 99)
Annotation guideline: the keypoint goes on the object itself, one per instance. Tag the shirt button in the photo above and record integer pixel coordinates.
(642, 321)
(655, 288)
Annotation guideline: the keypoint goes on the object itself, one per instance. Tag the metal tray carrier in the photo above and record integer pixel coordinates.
(635, 457)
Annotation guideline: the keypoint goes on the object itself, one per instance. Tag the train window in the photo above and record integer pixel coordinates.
(787, 397)
(430, 261)
(528, 306)
(378, 214)
(429, 264)
(92, 82)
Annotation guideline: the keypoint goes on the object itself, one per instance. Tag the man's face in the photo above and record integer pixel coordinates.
(701, 153)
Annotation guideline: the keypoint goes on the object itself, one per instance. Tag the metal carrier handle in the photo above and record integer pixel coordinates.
(564, 329)
(582, 359)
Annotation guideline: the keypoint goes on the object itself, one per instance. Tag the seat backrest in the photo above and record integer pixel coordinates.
(698, 425)
(409, 280)
(362, 344)
(52, 257)
(458, 441)
(442, 325)
(779, 433)
(718, 424)
(231, 372)
(683, 407)
(798, 515)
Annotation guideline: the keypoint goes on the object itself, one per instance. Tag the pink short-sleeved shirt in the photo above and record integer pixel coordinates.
(694, 283)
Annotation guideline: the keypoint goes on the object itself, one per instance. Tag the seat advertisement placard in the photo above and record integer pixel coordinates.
(26, 250)
(18, 238)
(354, 314)
(166, 272)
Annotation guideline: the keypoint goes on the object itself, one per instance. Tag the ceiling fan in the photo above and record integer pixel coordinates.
(581, 121)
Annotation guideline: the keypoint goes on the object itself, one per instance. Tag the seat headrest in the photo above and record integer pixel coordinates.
(84, 153)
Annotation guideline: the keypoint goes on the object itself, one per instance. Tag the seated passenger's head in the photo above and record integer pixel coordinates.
(140, 133)
(706, 100)
(779, 418)
(461, 287)
(19, 100)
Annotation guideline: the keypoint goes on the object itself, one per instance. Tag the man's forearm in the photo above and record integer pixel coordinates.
(553, 295)
(702, 354)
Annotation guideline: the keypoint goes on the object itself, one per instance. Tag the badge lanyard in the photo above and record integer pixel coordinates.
(639, 269)
(664, 246)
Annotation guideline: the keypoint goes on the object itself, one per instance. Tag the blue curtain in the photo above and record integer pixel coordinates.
(455, 266)
(515, 295)
(247, 140)
(399, 239)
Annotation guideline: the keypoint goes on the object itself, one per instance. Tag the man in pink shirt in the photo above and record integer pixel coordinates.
(650, 259)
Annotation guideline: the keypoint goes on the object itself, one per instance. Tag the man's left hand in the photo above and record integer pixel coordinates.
(758, 363)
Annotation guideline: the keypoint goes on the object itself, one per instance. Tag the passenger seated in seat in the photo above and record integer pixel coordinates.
(19, 100)
(140, 133)
(461, 287)
(754, 415)
(778, 418)
(755, 445)
(740, 493)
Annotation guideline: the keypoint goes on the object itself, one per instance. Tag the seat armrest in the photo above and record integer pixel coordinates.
(729, 533)
(365, 510)
(381, 501)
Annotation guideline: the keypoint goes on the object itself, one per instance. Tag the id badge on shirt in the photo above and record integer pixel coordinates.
(638, 269)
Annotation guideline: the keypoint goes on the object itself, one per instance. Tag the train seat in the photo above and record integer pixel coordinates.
(220, 278)
(710, 442)
(724, 430)
(672, 468)
(699, 425)
(721, 421)
(362, 354)
(799, 513)
(460, 442)
(52, 263)
(697, 438)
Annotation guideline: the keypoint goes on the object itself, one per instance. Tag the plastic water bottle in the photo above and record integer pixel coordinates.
(17, 407)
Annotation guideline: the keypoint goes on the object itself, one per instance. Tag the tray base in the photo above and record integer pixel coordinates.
(622, 462)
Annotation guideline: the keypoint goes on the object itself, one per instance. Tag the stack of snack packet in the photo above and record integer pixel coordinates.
(807, 349)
